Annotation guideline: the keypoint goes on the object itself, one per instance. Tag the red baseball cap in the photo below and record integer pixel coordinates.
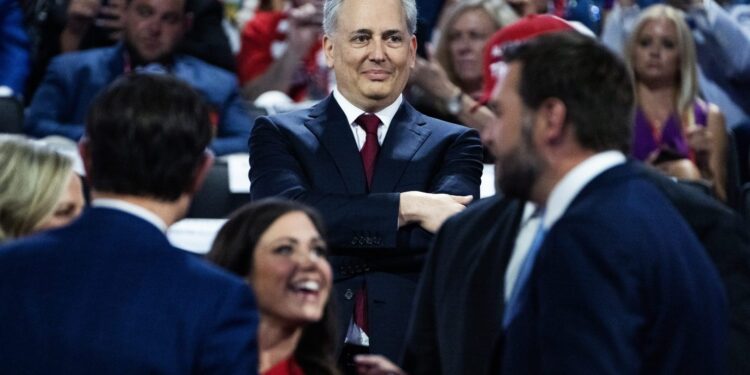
(523, 29)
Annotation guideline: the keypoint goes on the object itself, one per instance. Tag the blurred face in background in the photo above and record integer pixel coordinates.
(154, 27)
(68, 206)
(291, 276)
(466, 40)
(656, 57)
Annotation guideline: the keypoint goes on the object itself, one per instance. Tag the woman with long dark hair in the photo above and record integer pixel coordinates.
(278, 247)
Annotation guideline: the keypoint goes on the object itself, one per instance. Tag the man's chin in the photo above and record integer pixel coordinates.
(377, 93)
(150, 56)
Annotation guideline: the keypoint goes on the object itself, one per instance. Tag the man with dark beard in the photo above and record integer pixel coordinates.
(604, 275)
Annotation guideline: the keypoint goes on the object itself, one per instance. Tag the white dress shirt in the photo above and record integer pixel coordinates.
(557, 203)
(352, 113)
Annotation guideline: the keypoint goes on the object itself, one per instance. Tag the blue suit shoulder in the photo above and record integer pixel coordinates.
(203, 74)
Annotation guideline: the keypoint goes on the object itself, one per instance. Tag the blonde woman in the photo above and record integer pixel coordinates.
(675, 131)
(449, 83)
(38, 188)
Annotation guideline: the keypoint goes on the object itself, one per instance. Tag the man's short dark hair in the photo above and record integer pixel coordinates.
(594, 84)
(147, 135)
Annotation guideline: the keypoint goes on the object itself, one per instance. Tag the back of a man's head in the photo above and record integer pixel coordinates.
(146, 135)
(594, 84)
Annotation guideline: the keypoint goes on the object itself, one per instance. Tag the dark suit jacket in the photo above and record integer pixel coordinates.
(621, 285)
(456, 325)
(465, 272)
(726, 238)
(311, 156)
(110, 295)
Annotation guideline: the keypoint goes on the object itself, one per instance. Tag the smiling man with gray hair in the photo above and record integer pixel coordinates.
(383, 175)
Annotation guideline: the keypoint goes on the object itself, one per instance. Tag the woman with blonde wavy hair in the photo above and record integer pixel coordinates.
(38, 188)
(448, 83)
(675, 130)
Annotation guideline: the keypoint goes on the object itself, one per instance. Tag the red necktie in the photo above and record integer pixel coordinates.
(360, 309)
(369, 122)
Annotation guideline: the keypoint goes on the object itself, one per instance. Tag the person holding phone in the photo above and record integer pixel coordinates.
(674, 130)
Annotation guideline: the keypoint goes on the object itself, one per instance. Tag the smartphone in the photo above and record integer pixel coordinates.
(667, 155)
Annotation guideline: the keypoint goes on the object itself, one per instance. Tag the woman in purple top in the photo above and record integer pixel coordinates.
(675, 131)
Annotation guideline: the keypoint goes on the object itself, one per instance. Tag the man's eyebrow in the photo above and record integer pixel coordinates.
(392, 32)
(362, 31)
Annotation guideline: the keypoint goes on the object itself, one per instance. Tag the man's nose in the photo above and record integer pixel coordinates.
(463, 44)
(154, 27)
(377, 50)
(307, 259)
(485, 134)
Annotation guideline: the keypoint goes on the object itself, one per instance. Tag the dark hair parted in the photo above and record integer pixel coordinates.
(594, 84)
(147, 135)
(233, 250)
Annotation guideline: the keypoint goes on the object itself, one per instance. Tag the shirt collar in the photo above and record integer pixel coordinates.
(574, 181)
(352, 112)
(133, 209)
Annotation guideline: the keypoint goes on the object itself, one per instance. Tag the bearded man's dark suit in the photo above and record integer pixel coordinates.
(311, 156)
(456, 325)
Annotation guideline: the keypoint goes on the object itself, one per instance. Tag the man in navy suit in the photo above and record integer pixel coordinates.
(612, 280)
(108, 294)
(152, 30)
(383, 187)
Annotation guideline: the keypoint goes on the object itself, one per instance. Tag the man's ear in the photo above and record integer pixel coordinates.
(553, 113)
(85, 152)
(201, 172)
(328, 48)
(413, 48)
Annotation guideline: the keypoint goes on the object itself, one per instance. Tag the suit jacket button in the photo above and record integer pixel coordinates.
(348, 294)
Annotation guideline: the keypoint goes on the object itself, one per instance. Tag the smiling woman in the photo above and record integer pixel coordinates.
(277, 246)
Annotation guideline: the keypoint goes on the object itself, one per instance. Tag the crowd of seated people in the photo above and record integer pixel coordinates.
(314, 253)
(281, 51)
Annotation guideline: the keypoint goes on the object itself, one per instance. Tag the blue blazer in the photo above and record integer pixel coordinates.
(311, 156)
(110, 295)
(73, 80)
(15, 63)
(621, 285)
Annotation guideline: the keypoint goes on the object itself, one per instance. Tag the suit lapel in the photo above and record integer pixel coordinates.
(406, 135)
(492, 261)
(497, 256)
(329, 124)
